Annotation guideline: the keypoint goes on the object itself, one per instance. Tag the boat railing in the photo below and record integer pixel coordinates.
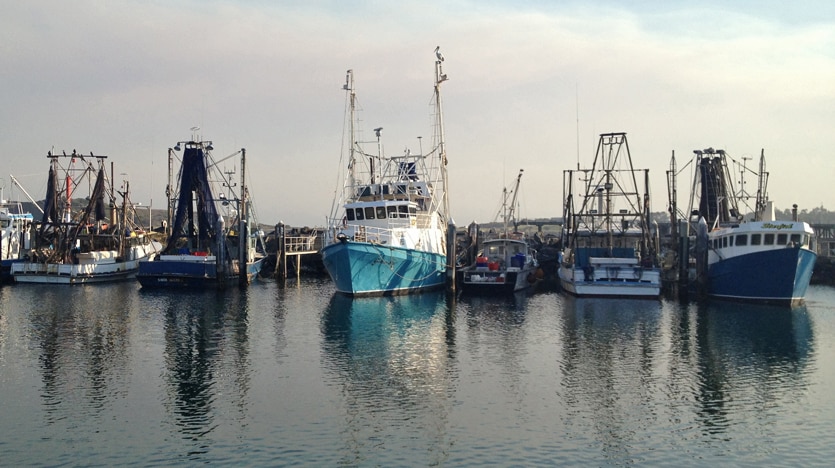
(366, 233)
(375, 234)
(300, 243)
(424, 220)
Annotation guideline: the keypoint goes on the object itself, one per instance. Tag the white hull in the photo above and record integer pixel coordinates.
(59, 273)
(94, 271)
(613, 281)
(510, 280)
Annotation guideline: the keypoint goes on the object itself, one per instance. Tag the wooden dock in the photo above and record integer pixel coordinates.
(292, 247)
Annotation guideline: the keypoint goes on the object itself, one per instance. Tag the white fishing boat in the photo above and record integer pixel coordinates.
(758, 259)
(214, 240)
(504, 264)
(387, 229)
(83, 243)
(607, 248)
(14, 235)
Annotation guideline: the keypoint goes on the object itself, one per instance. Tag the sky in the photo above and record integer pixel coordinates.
(531, 86)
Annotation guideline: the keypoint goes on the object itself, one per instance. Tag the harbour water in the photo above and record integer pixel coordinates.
(275, 375)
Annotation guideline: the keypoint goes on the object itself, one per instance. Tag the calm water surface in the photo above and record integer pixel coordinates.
(114, 375)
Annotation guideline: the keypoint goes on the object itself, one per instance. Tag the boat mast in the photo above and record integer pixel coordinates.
(568, 209)
(123, 221)
(608, 187)
(440, 77)
(510, 214)
(762, 189)
(243, 224)
(352, 98)
(645, 215)
(168, 194)
(608, 165)
(672, 195)
(377, 167)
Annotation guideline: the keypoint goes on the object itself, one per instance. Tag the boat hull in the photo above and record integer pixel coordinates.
(778, 276)
(188, 274)
(497, 282)
(6, 270)
(368, 269)
(60, 273)
(620, 282)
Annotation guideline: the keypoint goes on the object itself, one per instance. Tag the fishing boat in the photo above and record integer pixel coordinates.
(758, 259)
(607, 248)
(504, 264)
(80, 243)
(214, 240)
(14, 235)
(387, 228)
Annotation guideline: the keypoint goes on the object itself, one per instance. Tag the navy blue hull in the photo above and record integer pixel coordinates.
(775, 276)
(6, 271)
(192, 275)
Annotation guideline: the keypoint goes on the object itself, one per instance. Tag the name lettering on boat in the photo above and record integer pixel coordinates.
(777, 226)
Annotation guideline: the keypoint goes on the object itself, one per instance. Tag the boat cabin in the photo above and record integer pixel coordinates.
(768, 235)
(503, 251)
(380, 210)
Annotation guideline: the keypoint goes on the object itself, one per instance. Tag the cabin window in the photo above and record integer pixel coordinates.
(768, 239)
(359, 214)
(403, 210)
(369, 212)
(731, 241)
(349, 214)
(742, 239)
(756, 239)
(381, 212)
(392, 211)
(724, 242)
(796, 239)
(782, 239)
(412, 210)
(495, 251)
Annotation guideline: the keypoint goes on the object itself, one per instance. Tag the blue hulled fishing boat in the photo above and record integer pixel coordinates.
(214, 240)
(758, 259)
(387, 230)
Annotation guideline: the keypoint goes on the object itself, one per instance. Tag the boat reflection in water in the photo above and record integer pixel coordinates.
(720, 361)
(82, 351)
(390, 358)
(207, 368)
(500, 312)
(749, 356)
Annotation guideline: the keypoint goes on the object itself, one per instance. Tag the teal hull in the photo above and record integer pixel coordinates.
(359, 268)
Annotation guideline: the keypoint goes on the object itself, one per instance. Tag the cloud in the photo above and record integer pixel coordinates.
(530, 85)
